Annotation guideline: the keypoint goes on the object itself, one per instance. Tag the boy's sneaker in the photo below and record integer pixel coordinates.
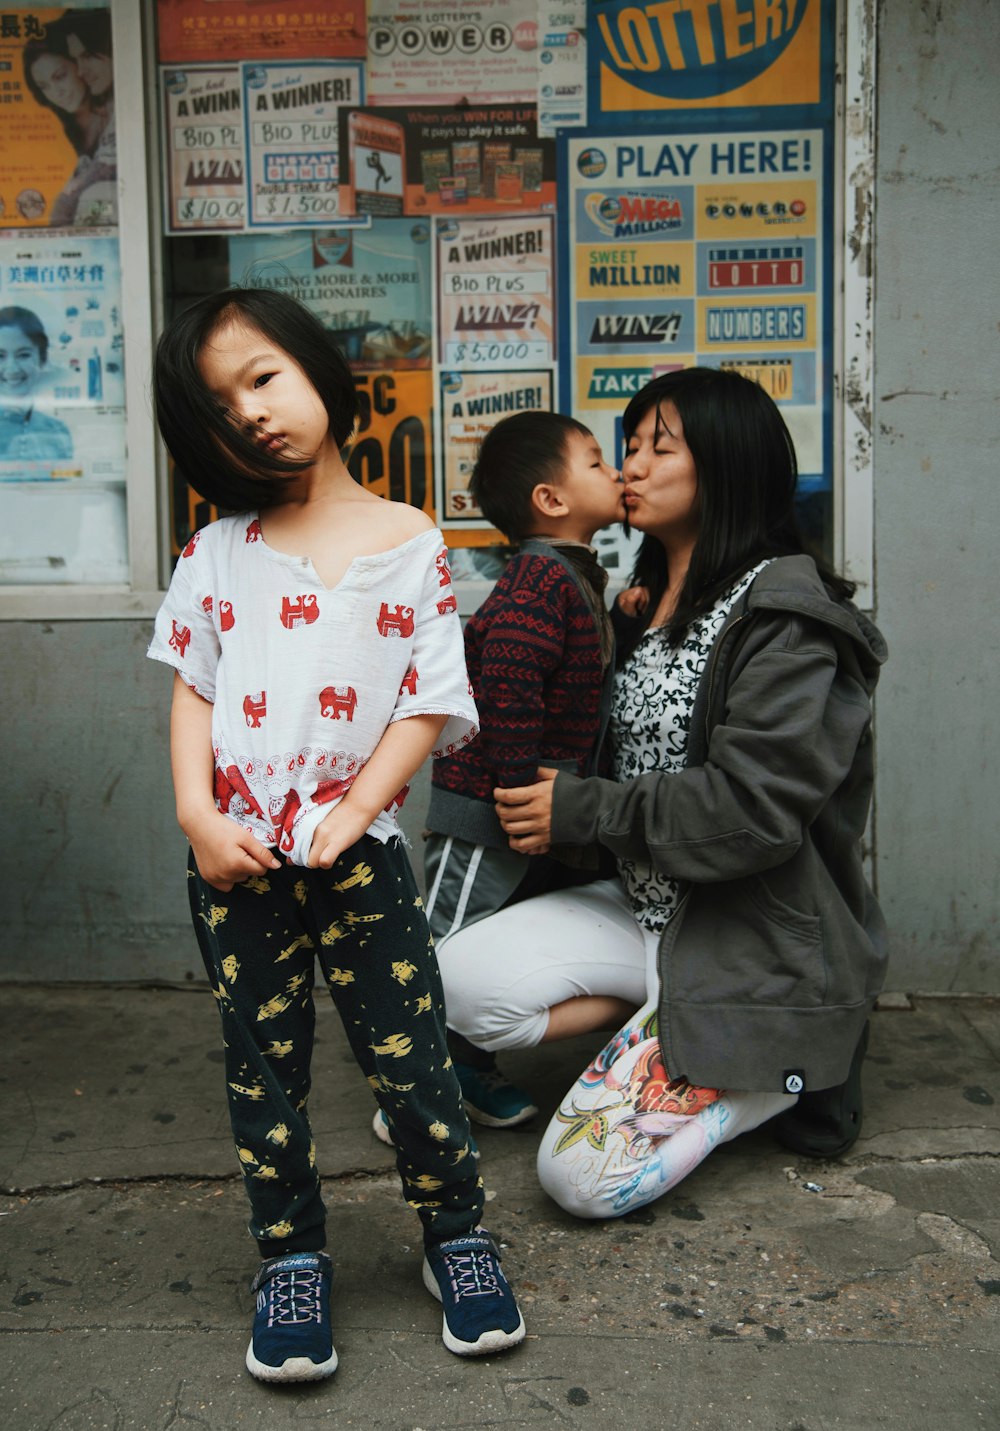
(480, 1313)
(490, 1099)
(380, 1127)
(292, 1340)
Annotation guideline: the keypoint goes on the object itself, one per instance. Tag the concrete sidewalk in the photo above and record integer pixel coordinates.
(766, 1291)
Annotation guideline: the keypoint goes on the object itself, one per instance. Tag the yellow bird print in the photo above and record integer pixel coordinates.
(361, 874)
(273, 1007)
(278, 1135)
(398, 1045)
(403, 971)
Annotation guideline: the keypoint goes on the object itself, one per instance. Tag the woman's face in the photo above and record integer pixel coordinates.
(661, 483)
(20, 365)
(95, 70)
(59, 81)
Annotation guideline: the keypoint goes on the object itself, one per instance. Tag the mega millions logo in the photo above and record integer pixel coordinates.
(633, 215)
(694, 49)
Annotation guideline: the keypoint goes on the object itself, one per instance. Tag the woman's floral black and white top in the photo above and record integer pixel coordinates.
(650, 719)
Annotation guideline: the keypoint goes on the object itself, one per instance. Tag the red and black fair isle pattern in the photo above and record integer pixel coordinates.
(534, 659)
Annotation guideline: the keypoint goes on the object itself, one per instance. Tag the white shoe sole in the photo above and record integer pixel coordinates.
(295, 1368)
(494, 1341)
(488, 1120)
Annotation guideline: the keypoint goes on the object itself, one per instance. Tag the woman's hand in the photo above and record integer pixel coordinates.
(633, 601)
(526, 814)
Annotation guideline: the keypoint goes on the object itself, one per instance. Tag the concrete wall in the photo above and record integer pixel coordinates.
(93, 884)
(937, 491)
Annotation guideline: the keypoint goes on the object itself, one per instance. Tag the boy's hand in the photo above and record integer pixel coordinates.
(526, 814)
(342, 828)
(225, 854)
(633, 600)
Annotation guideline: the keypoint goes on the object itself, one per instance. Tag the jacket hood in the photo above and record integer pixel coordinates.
(793, 584)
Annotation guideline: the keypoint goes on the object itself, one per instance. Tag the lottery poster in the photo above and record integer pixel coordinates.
(290, 114)
(392, 453)
(468, 406)
(495, 285)
(204, 155)
(422, 53)
(703, 248)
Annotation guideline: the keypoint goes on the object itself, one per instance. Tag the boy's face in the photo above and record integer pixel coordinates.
(590, 487)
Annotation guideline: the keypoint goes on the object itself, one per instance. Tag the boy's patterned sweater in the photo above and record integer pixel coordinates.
(542, 687)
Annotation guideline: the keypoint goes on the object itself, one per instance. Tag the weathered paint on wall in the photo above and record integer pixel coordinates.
(93, 886)
(937, 492)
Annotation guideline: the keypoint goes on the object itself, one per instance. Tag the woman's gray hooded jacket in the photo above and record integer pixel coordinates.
(776, 954)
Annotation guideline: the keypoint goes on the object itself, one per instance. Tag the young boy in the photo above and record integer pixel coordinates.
(539, 653)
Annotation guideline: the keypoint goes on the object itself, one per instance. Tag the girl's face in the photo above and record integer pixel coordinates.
(265, 390)
(20, 365)
(96, 71)
(661, 483)
(59, 81)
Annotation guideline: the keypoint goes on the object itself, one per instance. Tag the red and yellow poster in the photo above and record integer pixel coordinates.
(190, 31)
(57, 110)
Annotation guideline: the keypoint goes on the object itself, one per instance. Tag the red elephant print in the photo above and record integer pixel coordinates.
(283, 817)
(189, 549)
(229, 783)
(180, 638)
(409, 682)
(303, 609)
(226, 618)
(255, 709)
(254, 533)
(446, 604)
(398, 622)
(444, 570)
(335, 701)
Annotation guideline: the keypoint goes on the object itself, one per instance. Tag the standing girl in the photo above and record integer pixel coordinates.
(742, 750)
(318, 662)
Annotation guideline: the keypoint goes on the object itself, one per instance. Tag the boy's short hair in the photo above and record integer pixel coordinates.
(216, 454)
(516, 455)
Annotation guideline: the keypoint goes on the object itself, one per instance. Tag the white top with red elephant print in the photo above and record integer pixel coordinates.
(304, 679)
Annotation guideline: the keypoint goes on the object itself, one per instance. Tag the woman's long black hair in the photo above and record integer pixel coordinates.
(747, 477)
(215, 451)
(34, 49)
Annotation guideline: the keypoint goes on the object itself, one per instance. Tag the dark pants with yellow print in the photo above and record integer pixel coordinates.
(364, 920)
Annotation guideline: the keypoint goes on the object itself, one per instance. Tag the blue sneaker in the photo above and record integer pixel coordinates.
(292, 1340)
(382, 1131)
(480, 1313)
(490, 1099)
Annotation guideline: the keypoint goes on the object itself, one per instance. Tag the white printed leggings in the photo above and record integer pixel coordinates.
(626, 1132)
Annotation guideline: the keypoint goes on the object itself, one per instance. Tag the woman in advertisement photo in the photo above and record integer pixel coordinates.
(26, 434)
(70, 72)
(741, 755)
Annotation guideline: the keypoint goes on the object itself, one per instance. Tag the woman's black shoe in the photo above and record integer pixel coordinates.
(824, 1124)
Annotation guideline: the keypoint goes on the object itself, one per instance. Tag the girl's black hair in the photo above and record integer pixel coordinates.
(30, 325)
(214, 450)
(516, 455)
(747, 477)
(34, 49)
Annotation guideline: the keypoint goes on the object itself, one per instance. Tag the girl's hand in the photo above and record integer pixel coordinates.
(225, 854)
(342, 828)
(526, 814)
(633, 600)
